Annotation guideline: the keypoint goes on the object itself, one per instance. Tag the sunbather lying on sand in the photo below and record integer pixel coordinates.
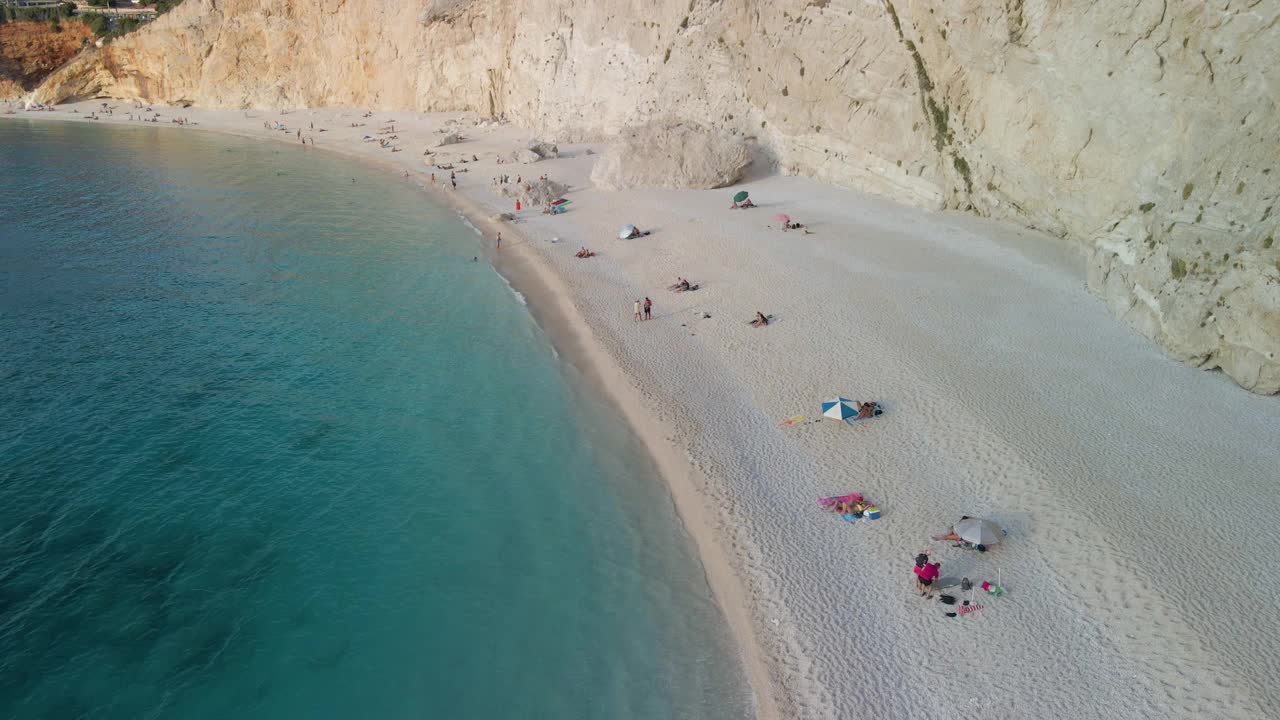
(584, 253)
(951, 535)
(681, 285)
(760, 321)
(866, 410)
(849, 508)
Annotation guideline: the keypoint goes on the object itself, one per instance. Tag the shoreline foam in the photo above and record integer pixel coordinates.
(1011, 393)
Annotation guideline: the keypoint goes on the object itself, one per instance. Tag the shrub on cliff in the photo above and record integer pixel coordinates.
(97, 22)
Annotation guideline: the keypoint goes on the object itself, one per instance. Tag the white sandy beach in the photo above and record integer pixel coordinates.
(1139, 494)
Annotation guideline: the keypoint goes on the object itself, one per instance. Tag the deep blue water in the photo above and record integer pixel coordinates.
(273, 446)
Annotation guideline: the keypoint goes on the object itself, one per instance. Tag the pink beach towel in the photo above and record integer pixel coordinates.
(850, 498)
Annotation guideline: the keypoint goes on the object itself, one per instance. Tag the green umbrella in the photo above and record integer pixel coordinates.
(740, 196)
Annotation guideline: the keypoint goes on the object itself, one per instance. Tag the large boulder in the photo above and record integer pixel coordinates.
(671, 154)
(533, 193)
(545, 150)
(525, 155)
(535, 151)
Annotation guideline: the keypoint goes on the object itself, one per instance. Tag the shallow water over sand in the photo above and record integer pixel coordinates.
(275, 446)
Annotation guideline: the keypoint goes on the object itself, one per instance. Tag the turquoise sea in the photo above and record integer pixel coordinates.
(272, 445)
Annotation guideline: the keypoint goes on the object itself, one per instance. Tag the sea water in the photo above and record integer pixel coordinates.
(274, 444)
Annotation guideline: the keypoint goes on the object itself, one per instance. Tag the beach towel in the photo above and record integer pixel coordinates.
(850, 498)
(794, 420)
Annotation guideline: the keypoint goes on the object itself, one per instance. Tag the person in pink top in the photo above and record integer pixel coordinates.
(926, 572)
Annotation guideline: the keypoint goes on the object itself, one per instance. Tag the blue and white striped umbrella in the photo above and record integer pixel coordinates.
(839, 408)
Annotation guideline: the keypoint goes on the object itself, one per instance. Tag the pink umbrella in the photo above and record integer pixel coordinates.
(783, 218)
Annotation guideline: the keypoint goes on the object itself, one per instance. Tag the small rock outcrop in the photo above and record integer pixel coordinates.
(671, 154)
(533, 193)
(535, 152)
(545, 150)
(525, 155)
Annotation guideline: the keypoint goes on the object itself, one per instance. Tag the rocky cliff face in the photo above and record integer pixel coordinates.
(31, 50)
(1145, 129)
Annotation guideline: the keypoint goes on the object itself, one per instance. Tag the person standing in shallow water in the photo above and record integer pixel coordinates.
(648, 309)
(499, 241)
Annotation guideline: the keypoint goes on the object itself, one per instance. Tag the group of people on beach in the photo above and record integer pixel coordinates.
(927, 571)
(644, 311)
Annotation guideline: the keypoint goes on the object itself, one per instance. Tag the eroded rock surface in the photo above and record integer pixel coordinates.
(672, 154)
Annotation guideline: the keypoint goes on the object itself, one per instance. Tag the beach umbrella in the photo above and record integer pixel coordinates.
(979, 531)
(783, 218)
(839, 408)
(742, 195)
(626, 231)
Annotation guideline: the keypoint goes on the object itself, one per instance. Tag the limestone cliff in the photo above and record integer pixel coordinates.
(1145, 129)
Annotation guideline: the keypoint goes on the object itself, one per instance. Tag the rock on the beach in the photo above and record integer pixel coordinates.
(535, 152)
(1212, 309)
(449, 139)
(672, 154)
(525, 155)
(545, 150)
(533, 193)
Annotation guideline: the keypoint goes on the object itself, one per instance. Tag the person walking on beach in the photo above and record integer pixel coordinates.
(638, 316)
(648, 309)
(499, 241)
(926, 572)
